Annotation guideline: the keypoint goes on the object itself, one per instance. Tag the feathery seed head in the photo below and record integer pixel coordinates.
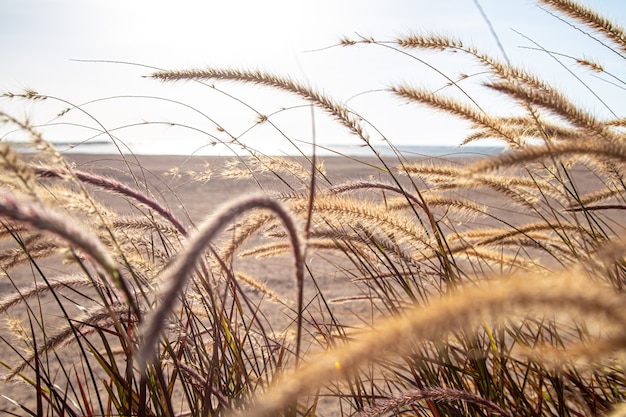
(429, 42)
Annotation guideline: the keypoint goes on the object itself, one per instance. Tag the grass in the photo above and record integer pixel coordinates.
(490, 286)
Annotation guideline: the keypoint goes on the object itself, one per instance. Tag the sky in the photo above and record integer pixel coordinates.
(59, 48)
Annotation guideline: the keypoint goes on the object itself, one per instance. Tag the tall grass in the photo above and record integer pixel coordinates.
(490, 286)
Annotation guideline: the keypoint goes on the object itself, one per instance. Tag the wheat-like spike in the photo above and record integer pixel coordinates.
(596, 197)
(290, 166)
(395, 234)
(481, 237)
(21, 174)
(535, 128)
(139, 245)
(10, 230)
(497, 67)
(621, 122)
(280, 248)
(38, 249)
(612, 174)
(243, 231)
(554, 102)
(372, 184)
(46, 219)
(431, 171)
(456, 108)
(354, 298)
(97, 318)
(486, 255)
(511, 73)
(521, 190)
(24, 294)
(429, 42)
(376, 275)
(482, 134)
(335, 244)
(492, 127)
(76, 204)
(113, 186)
(495, 257)
(520, 80)
(276, 164)
(513, 142)
(505, 298)
(387, 407)
(203, 176)
(341, 211)
(262, 164)
(589, 17)
(599, 207)
(260, 287)
(587, 63)
(602, 150)
(451, 207)
(40, 144)
(142, 224)
(340, 112)
(146, 270)
(347, 242)
(232, 170)
(396, 204)
(544, 242)
(200, 176)
(457, 206)
(389, 247)
(534, 240)
(528, 240)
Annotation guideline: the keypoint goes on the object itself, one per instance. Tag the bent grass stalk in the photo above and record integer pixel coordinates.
(178, 274)
(115, 187)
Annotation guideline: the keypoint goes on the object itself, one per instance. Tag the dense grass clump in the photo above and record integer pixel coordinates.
(486, 286)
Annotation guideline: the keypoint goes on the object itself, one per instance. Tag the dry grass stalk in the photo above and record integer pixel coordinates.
(113, 186)
(340, 112)
(603, 150)
(589, 17)
(565, 293)
(92, 321)
(436, 394)
(46, 219)
(24, 294)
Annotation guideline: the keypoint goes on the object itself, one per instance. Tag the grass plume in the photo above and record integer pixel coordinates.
(490, 285)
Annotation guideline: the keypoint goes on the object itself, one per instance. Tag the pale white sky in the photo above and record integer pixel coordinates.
(41, 39)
